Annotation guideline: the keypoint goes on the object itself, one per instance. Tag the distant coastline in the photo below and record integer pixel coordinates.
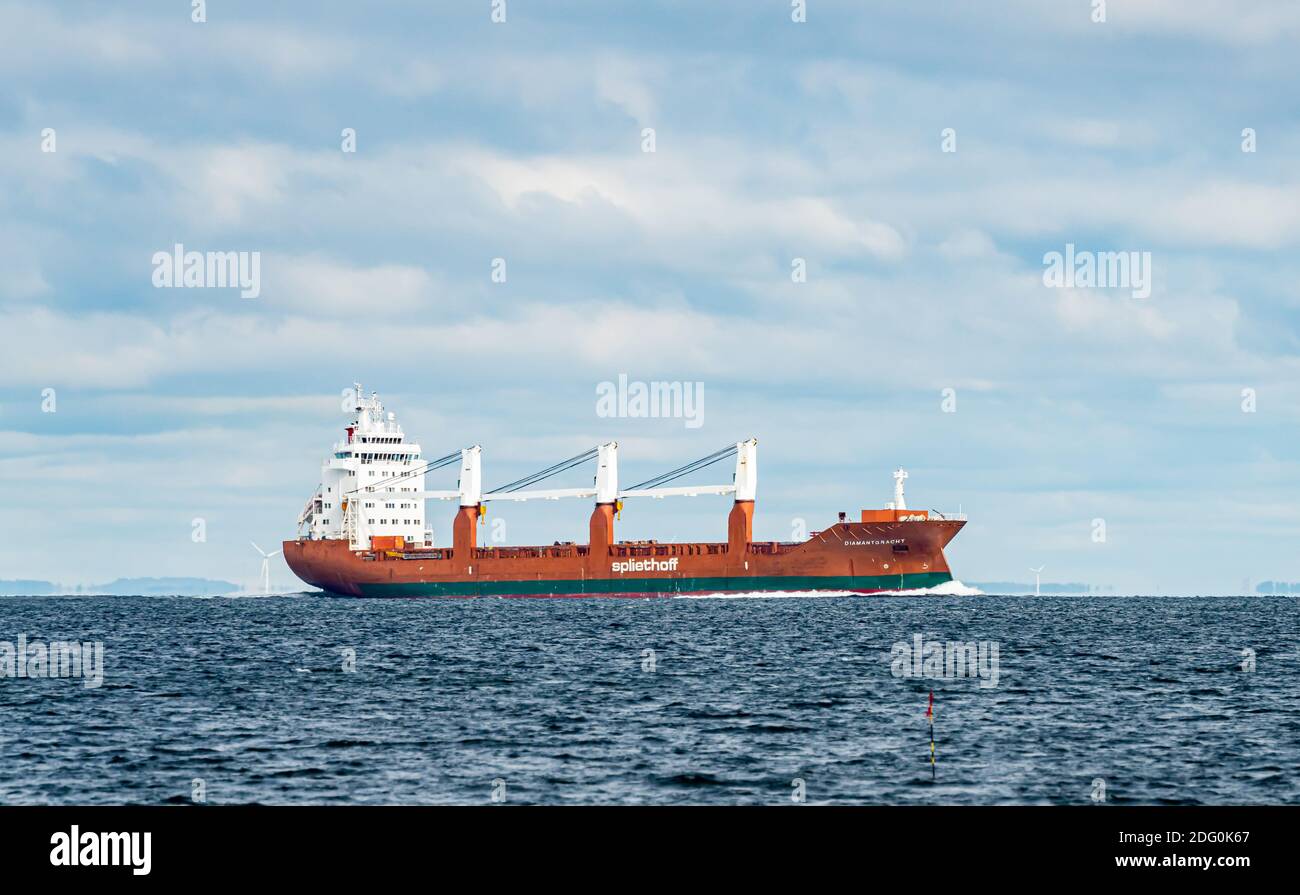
(179, 587)
(1027, 587)
(1074, 588)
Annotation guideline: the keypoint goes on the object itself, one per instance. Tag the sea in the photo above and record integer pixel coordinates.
(940, 698)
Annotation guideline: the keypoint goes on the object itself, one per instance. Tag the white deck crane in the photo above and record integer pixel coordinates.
(605, 488)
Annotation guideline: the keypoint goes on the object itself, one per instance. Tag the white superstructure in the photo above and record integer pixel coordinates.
(373, 483)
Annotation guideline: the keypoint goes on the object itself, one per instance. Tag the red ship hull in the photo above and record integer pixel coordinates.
(866, 557)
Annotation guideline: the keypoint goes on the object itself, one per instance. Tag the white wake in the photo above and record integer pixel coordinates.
(947, 589)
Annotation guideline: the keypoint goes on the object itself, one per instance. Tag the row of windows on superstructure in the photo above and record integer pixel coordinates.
(372, 473)
(372, 439)
(376, 458)
(324, 522)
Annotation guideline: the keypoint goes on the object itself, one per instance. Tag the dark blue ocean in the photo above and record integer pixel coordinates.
(714, 700)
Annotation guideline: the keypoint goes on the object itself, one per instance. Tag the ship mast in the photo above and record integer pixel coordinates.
(899, 475)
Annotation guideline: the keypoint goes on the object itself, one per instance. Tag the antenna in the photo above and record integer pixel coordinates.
(266, 567)
(1038, 578)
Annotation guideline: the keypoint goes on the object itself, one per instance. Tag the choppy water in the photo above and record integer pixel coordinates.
(553, 698)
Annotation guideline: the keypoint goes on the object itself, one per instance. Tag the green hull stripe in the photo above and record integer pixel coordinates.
(667, 586)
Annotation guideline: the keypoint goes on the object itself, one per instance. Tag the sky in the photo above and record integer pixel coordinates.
(840, 234)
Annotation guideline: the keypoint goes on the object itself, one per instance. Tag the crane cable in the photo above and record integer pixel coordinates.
(546, 473)
(674, 474)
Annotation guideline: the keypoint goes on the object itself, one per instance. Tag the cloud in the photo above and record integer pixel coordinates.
(119, 43)
(1095, 133)
(693, 195)
(225, 184)
(1213, 21)
(623, 83)
(1233, 213)
(1261, 22)
(33, 38)
(968, 244)
(322, 286)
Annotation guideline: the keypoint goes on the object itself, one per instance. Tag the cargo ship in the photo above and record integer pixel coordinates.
(364, 533)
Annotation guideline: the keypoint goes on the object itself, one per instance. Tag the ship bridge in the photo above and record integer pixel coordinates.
(371, 482)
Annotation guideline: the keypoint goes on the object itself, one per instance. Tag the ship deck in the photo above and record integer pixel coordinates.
(574, 551)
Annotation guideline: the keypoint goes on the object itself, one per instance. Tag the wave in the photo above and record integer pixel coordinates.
(952, 588)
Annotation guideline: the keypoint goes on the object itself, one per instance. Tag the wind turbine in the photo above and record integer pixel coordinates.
(266, 567)
(1038, 577)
